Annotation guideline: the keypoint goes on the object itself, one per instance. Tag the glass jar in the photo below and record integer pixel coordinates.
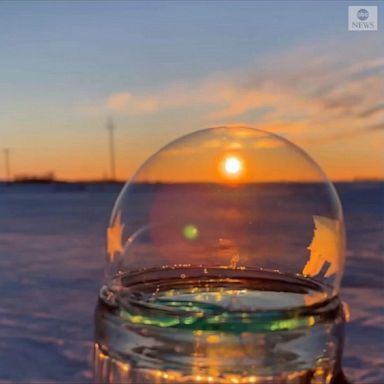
(225, 253)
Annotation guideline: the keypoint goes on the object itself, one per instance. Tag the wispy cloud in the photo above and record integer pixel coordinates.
(132, 104)
(342, 135)
(303, 90)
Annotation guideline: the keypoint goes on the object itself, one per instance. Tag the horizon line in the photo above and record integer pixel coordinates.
(183, 182)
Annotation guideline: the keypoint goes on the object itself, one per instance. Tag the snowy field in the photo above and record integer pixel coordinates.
(52, 241)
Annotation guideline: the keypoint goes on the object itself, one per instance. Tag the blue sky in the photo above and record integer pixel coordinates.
(66, 66)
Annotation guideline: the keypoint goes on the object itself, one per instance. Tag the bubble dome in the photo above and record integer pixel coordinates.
(228, 199)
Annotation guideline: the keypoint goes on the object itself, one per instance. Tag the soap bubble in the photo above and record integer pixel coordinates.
(233, 199)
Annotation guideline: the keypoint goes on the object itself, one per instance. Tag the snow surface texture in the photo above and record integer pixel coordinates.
(52, 246)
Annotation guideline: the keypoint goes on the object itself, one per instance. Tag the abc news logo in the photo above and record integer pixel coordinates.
(362, 18)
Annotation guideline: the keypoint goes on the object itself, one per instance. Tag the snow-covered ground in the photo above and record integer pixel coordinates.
(51, 259)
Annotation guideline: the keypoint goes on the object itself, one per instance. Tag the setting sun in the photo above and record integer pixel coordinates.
(232, 165)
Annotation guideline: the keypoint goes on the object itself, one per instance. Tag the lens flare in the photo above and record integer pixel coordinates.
(190, 232)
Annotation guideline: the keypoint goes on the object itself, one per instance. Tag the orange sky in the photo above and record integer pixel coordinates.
(324, 94)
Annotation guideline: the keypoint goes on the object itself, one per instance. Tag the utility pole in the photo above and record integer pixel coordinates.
(111, 129)
(7, 155)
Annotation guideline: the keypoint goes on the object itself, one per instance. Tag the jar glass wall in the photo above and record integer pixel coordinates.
(225, 253)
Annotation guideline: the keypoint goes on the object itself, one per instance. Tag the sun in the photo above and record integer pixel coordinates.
(233, 166)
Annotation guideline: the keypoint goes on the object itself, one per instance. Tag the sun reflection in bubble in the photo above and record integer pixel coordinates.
(232, 166)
